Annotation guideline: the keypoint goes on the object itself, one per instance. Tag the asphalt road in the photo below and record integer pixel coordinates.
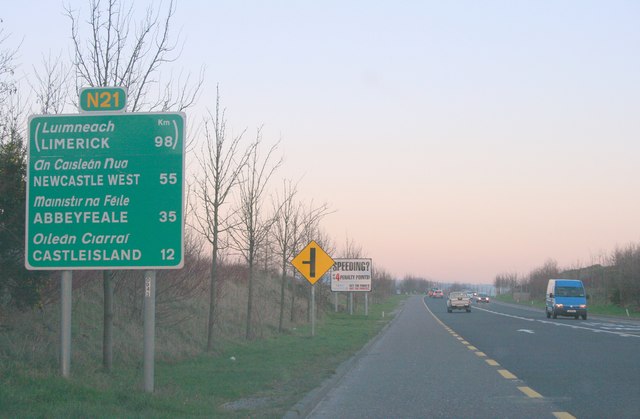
(589, 368)
(422, 367)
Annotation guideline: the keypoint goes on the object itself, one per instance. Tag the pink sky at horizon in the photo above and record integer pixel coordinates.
(453, 140)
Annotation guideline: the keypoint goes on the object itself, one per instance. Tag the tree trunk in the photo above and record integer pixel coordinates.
(282, 287)
(250, 300)
(212, 298)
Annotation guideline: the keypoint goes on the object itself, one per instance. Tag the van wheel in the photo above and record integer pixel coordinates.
(576, 316)
(584, 316)
(555, 315)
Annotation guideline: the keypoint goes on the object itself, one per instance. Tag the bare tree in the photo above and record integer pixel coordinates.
(252, 226)
(626, 268)
(285, 233)
(51, 88)
(383, 285)
(112, 54)
(221, 162)
(538, 278)
(112, 51)
(351, 250)
(309, 230)
(7, 66)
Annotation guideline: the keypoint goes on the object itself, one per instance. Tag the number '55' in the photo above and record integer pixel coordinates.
(168, 178)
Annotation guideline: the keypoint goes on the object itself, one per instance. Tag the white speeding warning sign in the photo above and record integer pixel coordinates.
(351, 275)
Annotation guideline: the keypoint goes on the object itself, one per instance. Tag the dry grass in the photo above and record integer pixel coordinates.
(32, 338)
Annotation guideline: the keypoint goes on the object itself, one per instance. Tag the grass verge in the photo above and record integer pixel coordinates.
(245, 379)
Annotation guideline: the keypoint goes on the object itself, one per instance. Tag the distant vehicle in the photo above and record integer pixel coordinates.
(430, 293)
(458, 301)
(566, 297)
(482, 298)
(438, 294)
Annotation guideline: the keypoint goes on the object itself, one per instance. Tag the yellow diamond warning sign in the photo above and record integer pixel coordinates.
(312, 262)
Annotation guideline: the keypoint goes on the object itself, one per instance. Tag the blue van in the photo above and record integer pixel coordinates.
(566, 297)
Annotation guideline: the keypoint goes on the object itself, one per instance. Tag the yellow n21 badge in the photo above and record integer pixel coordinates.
(103, 99)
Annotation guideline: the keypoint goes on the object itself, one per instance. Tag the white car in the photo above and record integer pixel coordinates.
(458, 301)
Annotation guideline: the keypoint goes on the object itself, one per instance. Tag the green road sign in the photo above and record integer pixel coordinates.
(103, 99)
(105, 191)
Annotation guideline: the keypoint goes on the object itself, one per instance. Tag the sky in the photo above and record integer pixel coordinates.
(453, 140)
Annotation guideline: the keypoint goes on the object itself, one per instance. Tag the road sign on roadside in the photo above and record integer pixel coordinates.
(103, 99)
(351, 275)
(105, 191)
(312, 262)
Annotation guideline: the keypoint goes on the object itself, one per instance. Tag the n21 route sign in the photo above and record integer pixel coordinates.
(105, 191)
(103, 99)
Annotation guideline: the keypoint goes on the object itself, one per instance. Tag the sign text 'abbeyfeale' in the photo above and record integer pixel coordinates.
(105, 191)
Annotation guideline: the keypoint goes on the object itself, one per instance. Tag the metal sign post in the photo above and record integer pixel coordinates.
(65, 323)
(312, 262)
(105, 191)
(313, 310)
(149, 329)
(352, 275)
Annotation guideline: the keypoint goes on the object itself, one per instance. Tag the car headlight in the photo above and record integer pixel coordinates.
(583, 306)
(559, 305)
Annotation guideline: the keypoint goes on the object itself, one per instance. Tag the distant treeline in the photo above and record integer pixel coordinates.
(616, 280)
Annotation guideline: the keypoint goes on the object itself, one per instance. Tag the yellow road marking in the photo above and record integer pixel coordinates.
(563, 415)
(472, 348)
(506, 374)
(481, 354)
(530, 392)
